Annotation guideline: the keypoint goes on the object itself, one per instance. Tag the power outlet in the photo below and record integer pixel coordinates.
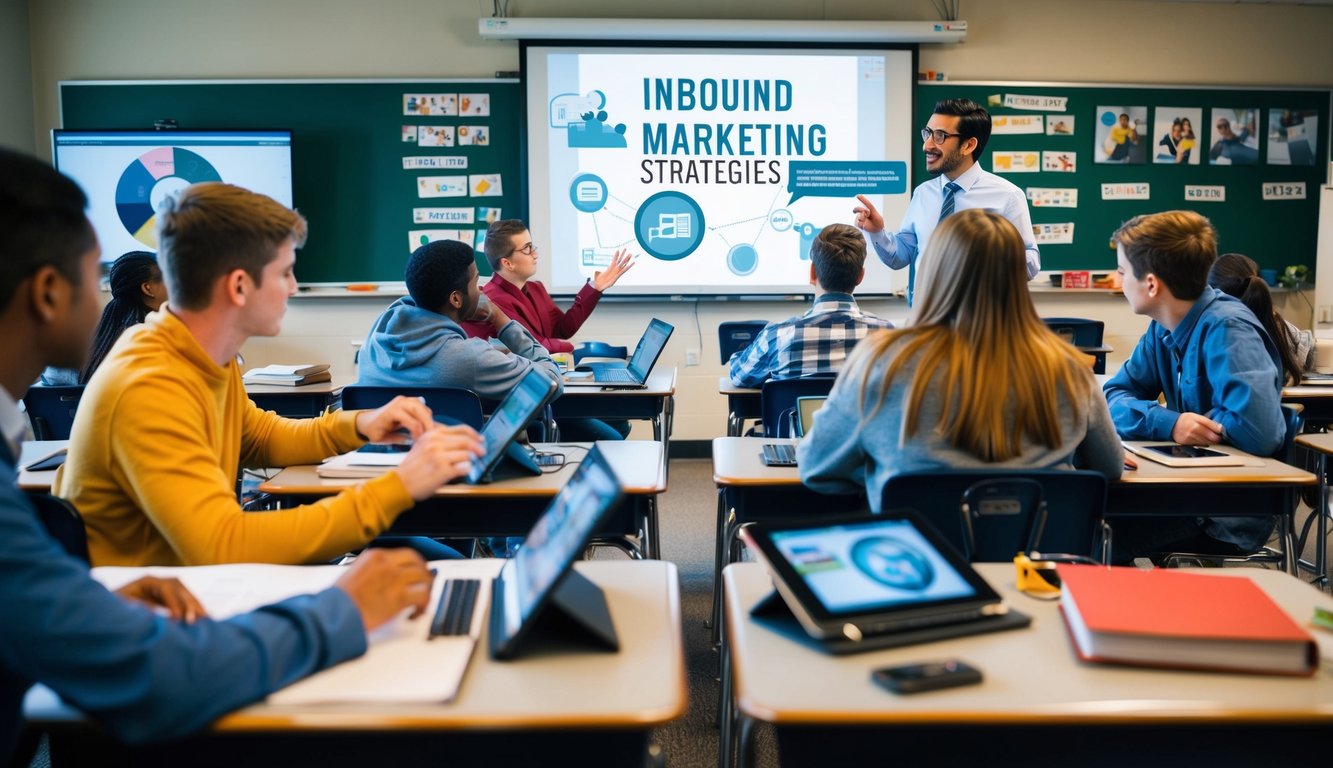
(691, 357)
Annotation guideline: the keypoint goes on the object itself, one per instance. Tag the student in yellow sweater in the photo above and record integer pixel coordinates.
(165, 422)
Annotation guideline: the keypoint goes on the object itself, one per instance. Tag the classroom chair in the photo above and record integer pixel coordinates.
(51, 410)
(735, 335)
(992, 515)
(1290, 553)
(777, 401)
(600, 350)
(1083, 333)
(449, 405)
(63, 522)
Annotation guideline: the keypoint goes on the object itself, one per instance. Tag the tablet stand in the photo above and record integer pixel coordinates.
(575, 616)
(772, 612)
(516, 462)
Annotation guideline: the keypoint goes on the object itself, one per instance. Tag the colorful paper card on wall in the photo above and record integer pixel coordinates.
(442, 186)
(1198, 193)
(1133, 190)
(1016, 124)
(434, 162)
(419, 237)
(1059, 125)
(1050, 197)
(442, 215)
(430, 104)
(1059, 162)
(485, 185)
(1016, 162)
(1053, 234)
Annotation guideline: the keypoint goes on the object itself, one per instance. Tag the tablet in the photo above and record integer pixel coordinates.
(864, 576)
(1175, 455)
(510, 417)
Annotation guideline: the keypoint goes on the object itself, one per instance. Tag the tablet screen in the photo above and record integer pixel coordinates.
(1185, 451)
(875, 565)
(509, 418)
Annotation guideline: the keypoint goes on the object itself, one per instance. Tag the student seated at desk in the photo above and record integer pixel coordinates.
(137, 288)
(419, 340)
(1237, 275)
(820, 340)
(165, 422)
(1209, 357)
(145, 674)
(977, 380)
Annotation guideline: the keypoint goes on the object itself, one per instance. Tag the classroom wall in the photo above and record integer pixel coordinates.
(1122, 41)
(16, 118)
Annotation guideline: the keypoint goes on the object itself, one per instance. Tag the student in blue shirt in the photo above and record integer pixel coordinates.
(820, 340)
(953, 141)
(1208, 356)
(145, 674)
(977, 381)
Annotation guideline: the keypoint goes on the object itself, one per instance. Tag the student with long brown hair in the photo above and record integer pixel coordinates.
(1238, 275)
(976, 381)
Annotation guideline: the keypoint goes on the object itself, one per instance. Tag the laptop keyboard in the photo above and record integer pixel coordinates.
(453, 614)
(779, 455)
(618, 375)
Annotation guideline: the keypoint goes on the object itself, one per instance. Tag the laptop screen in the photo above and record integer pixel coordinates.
(512, 415)
(650, 347)
(805, 413)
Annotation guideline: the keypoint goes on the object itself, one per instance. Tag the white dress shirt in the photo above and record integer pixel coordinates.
(979, 189)
(12, 423)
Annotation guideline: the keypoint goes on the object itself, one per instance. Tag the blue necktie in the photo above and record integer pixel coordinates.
(946, 209)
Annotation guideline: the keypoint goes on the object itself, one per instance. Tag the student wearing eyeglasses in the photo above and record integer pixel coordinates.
(953, 141)
(513, 256)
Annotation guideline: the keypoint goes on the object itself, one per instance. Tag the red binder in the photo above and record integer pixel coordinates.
(1184, 620)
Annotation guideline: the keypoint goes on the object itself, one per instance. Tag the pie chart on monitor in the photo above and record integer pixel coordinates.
(150, 178)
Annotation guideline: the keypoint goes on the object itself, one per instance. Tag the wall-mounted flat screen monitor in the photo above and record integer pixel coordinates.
(126, 174)
(718, 165)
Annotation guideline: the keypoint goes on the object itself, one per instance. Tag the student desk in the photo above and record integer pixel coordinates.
(654, 403)
(32, 450)
(552, 706)
(1038, 705)
(743, 404)
(301, 402)
(510, 507)
(1317, 402)
(1321, 446)
(1270, 487)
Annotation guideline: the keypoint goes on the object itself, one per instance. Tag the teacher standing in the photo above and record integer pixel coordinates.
(953, 141)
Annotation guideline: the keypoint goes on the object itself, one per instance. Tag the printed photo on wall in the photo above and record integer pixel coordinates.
(1292, 136)
(474, 104)
(1059, 125)
(1235, 136)
(474, 136)
(1121, 135)
(436, 136)
(409, 134)
(1173, 128)
(437, 104)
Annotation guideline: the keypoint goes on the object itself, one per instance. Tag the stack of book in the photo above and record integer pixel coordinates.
(1165, 618)
(289, 375)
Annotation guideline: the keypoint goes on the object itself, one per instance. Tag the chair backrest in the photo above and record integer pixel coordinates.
(777, 401)
(1079, 331)
(449, 405)
(63, 522)
(1294, 417)
(991, 515)
(51, 410)
(735, 335)
(590, 349)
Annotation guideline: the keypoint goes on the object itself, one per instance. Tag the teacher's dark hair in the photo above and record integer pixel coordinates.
(974, 122)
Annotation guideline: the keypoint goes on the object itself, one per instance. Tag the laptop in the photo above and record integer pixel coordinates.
(511, 416)
(783, 454)
(634, 375)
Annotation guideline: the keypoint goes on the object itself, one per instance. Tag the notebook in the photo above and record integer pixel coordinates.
(1167, 618)
(635, 374)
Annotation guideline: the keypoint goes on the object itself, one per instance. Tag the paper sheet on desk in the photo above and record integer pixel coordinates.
(400, 666)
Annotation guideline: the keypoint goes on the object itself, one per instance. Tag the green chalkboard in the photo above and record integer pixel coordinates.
(1276, 233)
(348, 146)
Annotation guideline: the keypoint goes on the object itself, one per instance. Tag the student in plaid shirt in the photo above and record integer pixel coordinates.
(820, 340)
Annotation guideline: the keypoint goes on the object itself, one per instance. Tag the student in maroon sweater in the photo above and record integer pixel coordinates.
(513, 258)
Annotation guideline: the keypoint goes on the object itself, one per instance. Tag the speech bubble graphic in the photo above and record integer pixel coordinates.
(845, 178)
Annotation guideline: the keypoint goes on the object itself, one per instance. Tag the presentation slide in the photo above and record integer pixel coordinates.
(126, 174)
(718, 166)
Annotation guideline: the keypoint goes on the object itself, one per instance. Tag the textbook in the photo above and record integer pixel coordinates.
(1167, 618)
(370, 460)
(300, 369)
(286, 379)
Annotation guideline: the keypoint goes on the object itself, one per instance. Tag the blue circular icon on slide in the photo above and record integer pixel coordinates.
(781, 220)
(587, 192)
(742, 259)
(669, 225)
(893, 563)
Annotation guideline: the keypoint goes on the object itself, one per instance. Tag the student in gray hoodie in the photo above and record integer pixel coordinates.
(418, 341)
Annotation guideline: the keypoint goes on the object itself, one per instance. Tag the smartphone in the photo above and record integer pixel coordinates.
(385, 448)
(927, 676)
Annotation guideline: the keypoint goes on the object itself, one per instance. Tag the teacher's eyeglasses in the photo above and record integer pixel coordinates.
(939, 136)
